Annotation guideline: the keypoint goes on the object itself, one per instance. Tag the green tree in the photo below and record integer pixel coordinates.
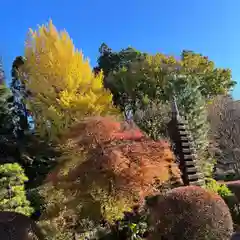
(130, 74)
(36, 154)
(213, 81)
(192, 106)
(110, 61)
(19, 99)
(13, 196)
(8, 145)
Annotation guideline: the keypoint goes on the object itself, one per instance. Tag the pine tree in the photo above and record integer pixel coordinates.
(8, 147)
(19, 99)
(61, 85)
(192, 106)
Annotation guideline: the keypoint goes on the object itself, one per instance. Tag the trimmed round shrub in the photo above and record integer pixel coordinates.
(190, 213)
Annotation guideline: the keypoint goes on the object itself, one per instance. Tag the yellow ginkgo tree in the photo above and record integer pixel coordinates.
(62, 86)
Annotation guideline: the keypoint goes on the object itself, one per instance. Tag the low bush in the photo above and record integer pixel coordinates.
(219, 188)
(12, 191)
(190, 213)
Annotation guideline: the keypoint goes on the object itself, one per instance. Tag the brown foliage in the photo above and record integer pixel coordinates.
(118, 159)
(191, 213)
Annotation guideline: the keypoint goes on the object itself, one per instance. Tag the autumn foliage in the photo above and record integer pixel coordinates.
(112, 165)
(60, 83)
(191, 213)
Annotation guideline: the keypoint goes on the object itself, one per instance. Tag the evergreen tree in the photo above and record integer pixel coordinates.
(19, 99)
(192, 106)
(8, 146)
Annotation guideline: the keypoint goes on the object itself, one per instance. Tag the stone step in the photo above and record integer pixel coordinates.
(183, 133)
(187, 144)
(193, 177)
(186, 139)
(189, 157)
(196, 176)
(182, 121)
(192, 169)
(190, 150)
(183, 127)
(200, 182)
(190, 163)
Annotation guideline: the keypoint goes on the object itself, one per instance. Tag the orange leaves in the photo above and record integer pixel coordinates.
(116, 158)
(102, 130)
(138, 166)
(134, 161)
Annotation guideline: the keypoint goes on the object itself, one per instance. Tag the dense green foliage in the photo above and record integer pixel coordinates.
(220, 189)
(13, 196)
(65, 163)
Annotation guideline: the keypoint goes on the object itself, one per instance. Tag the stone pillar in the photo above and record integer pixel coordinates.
(184, 148)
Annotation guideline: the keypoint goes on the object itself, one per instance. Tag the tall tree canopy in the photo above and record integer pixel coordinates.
(8, 146)
(60, 81)
(146, 75)
(110, 61)
(19, 99)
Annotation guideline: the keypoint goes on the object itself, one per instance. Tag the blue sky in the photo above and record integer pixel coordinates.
(210, 27)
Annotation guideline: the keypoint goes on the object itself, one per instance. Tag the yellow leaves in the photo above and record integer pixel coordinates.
(61, 81)
(197, 62)
(160, 63)
(112, 207)
(98, 81)
(65, 99)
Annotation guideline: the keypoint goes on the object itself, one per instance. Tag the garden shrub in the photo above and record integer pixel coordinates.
(219, 188)
(12, 190)
(105, 169)
(134, 226)
(191, 213)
